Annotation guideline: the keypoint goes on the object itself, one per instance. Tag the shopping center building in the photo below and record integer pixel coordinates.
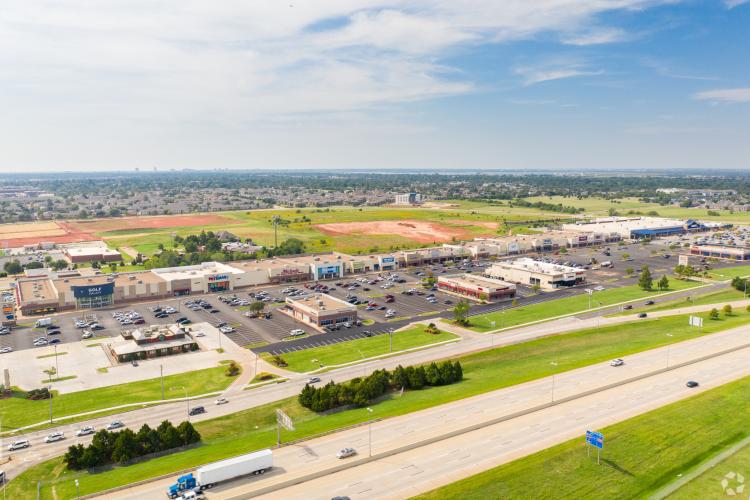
(532, 272)
(319, 310)
(480, 288)
(151, 342)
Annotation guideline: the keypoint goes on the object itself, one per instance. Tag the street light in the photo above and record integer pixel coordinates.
(186, 398)
(390, 339)
(369, 435)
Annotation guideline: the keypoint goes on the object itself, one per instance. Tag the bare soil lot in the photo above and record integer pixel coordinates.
(421, 231)
(156, 222)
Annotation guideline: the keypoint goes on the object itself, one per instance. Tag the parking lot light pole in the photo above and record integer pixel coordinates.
(49, 389)
(390, 340)
(57, 365)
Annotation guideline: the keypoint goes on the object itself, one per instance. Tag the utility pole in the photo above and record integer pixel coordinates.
(161, 376)
(49, 389)
(276, 220)
(390, 339)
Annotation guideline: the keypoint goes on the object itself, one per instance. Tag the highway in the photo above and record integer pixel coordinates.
(240, 400)
(473, 451)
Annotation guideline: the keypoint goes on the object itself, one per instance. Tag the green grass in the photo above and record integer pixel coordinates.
(18, 411)
(727, 273)
(354, 350)
(51, 355)
(569, 305)
(483, 372)
(708, 484)
(641, 454)
(58, 379)
(718, 298)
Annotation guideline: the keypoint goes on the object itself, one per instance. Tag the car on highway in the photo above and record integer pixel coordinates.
(197, 410)
(650, 303)
(19, 445)
(296, 332)
(642, 315)
(616, 362)
(346, 453)
(222, 401)
(313, 380)
(692, 383)
(55, 436)
(85, 431)
(627, 307)
(115, 424)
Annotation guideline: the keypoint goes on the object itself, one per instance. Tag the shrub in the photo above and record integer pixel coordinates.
(232, 369)
(265, 376)
(714, 314)
(279, 361)
(727, 309)
(36, 394)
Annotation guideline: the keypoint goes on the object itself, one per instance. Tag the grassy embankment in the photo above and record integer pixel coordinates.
(486, 371)
(641, 455)
(354, 350)
(18, 411)
(569, 305)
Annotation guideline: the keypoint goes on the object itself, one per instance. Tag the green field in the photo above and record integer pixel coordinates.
(641, 454)
(708, 484)
(354, 350)
(727, 273)
(18, 411)
(569, 305)
(256, 224)
(718, 298)
(483, 372)
(598, 206)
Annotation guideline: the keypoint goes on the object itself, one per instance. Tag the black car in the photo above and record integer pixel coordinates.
(206, 306)
(180, 320)
(268, 316)
(196, 410)
(692, 383)
(627, 307)
(213, 311)
(53, 332)
(52, 327)
(367, 333)
(161, 315)
(184, 322)
(650, 302)
(642, 315)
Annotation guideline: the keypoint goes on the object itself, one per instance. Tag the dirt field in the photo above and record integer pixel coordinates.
(17, 235)
(156, 222)
(421, 231)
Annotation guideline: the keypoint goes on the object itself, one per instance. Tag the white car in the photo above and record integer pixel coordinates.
(55, 436)
(116, 424)
(296, 332)
(4, 350)
(40, 343)
(200, 333)
(226, 329)
(87, 334)
(616, 362)
(18, 445)
(85, 431)
(222, 401)
(346, 452)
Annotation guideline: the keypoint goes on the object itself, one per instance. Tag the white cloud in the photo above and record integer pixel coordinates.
(546, 71)
(724, 95)
(597, 36)
(731, 4)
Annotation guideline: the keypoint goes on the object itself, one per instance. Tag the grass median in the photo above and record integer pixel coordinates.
(355, 350)
(485, 371)
(642, 454)
(717, 298)
(17, 411)
(569, 305)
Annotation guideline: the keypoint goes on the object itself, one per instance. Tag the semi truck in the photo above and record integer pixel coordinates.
(207, 476)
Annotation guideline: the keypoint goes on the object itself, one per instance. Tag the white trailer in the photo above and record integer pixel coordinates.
(40, 323)
(251, 463)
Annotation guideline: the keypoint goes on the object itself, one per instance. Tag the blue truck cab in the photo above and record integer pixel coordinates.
(184, 483)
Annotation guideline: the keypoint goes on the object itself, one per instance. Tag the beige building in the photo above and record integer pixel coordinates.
(320, 310)
(535, 273)
(480, 288)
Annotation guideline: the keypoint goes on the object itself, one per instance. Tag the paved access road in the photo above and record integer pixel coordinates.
(472, 452)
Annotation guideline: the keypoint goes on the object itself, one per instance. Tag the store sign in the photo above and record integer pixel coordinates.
(388, 260)
(219, 277)
(512, 247)
(328, 270)
(358, 265)
(93, 291)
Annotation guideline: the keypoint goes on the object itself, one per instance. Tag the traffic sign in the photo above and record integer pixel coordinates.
(695, 321)
(284, 420)
(595, 439)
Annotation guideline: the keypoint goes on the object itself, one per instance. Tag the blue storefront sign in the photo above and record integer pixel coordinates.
(388, 260)
(595, 439)
(80, 292)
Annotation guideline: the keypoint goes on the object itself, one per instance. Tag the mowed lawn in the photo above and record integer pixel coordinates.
(354, 350)
(717, 298)
(483, 372)
(727, 273)
(18, 411)
(569, 305)
(708, 484)
(641, 454)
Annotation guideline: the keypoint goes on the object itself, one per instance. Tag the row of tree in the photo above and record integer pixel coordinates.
(361, 391)
(119, 447)
(646, 281)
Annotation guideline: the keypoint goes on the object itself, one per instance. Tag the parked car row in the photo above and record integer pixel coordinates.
(124, 318)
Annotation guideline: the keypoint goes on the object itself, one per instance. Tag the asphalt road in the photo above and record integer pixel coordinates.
(431, 465)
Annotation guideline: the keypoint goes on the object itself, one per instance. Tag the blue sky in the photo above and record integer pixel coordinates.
(548, 84)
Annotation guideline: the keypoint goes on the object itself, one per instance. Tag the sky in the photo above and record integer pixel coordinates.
(370, 84)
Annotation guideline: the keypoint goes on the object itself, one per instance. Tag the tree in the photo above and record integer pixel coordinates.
(663, 283)
(629, 271)
(257, 306)
(74, 457)
(646, 282)
(461, 312)
(168, 436)
(727, 309)
(34, 265)
(714, 314)
(188, 433)
(125, 447)
(13, 267)
(59, 264)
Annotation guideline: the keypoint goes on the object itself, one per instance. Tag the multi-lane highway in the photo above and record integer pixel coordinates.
(540, 428)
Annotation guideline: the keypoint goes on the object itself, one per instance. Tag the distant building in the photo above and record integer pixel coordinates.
(719, 251)
(91, 253)
(637, 227)
(153, 342)
(320, 310)
(408, 199)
